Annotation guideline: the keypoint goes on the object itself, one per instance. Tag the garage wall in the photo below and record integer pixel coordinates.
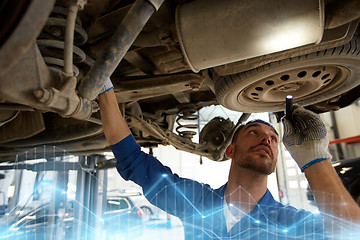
(347, 119)
(348, 124)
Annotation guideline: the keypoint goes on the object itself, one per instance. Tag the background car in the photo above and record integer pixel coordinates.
(40, 223)
(167, 60)
(349, 173)
(122, 218)
(151, 213)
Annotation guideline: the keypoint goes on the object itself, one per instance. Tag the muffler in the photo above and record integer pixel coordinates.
(213, 32)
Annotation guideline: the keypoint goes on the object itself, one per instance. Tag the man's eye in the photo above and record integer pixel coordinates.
(252, 132)
(274, 139)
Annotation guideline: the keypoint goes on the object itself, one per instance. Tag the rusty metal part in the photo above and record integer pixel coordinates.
(187, 121)
(65, 101)
(54, 48)
(66, 26)
(341, 12)
(156, 3)
(133, 89)
(155, 60)
(80, 147)
(123, 37)
(56, 27)
(140, 62)
(10, 14)
(53, 51)
(58, 64)
(94, 120)
(79, 3)
(325, 106)
(7, 116)
(59, 100)
(17, 107)
(168, 137)
(159, 37)
(106, 24)
(338, 102)
(24, 125)
(69, 38)
(29, 74)
(31, 67)
(221, 151)
(166, 60)
(215, 133)
(59, 130)
(24, 35)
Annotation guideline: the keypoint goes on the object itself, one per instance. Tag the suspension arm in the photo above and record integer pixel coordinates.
(168, 137)
(123, 38)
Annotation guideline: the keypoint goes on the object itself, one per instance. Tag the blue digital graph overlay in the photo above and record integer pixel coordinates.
(51, 203)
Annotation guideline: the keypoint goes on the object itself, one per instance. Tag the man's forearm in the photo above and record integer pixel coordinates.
(114, 125)
(330, 194)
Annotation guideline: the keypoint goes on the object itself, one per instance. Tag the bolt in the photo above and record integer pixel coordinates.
(43, 95)
(57, 32)
(39, 93)
(195, 86)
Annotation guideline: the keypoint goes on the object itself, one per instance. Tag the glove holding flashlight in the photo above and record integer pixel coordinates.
(305, 137)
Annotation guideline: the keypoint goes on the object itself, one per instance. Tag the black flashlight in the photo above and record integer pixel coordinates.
(289, 107)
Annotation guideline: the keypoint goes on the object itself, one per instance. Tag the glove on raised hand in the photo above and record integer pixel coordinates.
(106, 87)
(305, 138)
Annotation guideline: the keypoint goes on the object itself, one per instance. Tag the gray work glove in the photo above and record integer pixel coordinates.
(305, 138)
(106, 87)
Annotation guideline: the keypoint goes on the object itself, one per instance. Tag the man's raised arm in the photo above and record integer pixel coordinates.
(306, 139)
(330, 194)
(114, 125)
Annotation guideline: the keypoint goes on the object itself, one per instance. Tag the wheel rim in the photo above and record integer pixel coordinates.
(302, 83)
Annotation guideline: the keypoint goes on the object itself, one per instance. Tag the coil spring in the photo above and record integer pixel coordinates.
(51, 49)
(187, 121)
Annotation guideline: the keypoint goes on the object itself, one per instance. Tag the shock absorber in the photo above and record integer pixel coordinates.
(187, 122)
(56, 43)
(59, 35)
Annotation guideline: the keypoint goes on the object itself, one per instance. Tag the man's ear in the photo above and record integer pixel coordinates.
(229, 152)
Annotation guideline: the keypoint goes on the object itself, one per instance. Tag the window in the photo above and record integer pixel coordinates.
(117, 204)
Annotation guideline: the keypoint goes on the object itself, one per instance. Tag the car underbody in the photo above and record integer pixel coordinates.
(167, 60)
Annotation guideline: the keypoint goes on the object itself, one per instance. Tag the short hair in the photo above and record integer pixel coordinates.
(241, 126)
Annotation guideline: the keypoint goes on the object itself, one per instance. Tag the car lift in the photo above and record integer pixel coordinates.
(91, 189)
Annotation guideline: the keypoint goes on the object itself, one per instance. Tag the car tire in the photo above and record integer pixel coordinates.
(310, 78)
(147, 213)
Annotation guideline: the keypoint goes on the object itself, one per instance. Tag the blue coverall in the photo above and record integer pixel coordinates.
(200, 208)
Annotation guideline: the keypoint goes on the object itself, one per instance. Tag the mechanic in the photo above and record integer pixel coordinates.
(243, 208)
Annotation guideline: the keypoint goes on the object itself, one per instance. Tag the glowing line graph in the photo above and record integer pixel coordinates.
(343, 230)
(336, 228)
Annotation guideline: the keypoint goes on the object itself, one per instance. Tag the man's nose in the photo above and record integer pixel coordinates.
(266, 139)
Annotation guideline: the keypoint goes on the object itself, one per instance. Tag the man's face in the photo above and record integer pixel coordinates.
(255, 148)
